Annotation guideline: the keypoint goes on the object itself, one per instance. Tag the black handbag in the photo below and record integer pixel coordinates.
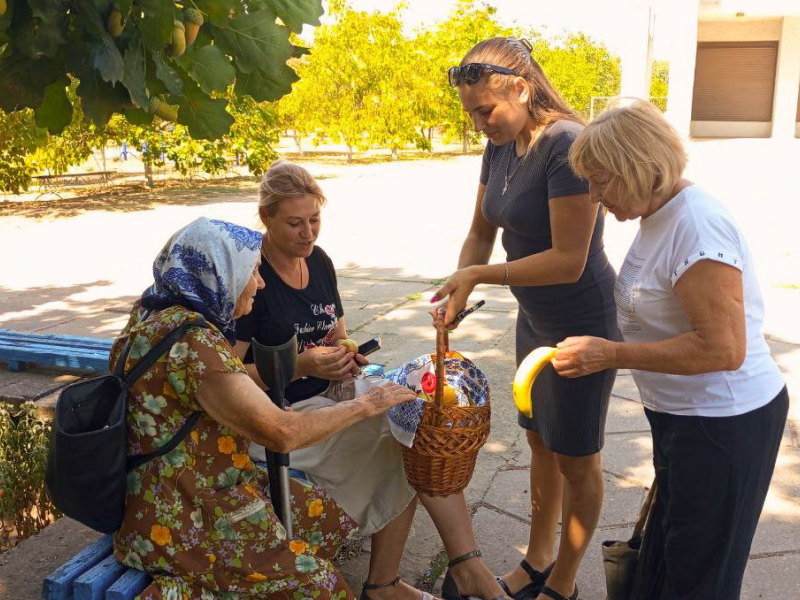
(87, 464)
(620, 559)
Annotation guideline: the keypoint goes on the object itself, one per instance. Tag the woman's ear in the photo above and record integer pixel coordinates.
(523, 90)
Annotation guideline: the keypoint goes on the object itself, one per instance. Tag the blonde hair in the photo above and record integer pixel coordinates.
(284, 180)
(545, 104)
(634, 144)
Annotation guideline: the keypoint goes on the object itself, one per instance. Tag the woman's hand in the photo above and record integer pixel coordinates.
(383, 397)
(584, 355)
(457, 289)
(327, 363)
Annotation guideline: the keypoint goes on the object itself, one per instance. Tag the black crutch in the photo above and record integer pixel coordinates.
(276, 366)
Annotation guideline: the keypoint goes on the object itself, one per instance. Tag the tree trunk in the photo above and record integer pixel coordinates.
(430, 138)
(297, 140)
(349, 153)
(395, 155)
(465, 138)
(103, 150)
(148, 172)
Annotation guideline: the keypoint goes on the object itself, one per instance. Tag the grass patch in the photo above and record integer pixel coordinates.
(788, 286)
(414, 296)
(437, 568)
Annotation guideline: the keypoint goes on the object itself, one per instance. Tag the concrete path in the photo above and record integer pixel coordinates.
(75, 269)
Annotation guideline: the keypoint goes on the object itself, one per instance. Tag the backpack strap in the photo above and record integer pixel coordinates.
(140, 459)
(149, 359)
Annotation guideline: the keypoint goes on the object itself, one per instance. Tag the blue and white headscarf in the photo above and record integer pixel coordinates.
(205, 267)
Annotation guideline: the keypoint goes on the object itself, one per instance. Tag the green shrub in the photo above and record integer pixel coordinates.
(25, 508)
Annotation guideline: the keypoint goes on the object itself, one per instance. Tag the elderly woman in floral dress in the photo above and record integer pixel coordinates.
(199, 518)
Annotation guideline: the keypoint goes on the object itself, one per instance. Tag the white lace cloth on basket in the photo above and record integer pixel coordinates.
(467, 380)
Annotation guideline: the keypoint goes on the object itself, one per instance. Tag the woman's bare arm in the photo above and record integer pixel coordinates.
(234, 400)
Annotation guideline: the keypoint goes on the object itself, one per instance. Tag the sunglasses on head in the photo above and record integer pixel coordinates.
(471, 73)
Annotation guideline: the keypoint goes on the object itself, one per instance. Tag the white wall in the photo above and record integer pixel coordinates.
(787, 84)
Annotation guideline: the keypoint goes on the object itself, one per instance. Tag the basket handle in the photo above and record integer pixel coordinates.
(442, 347)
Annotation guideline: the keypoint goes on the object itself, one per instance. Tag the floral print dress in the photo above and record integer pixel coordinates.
(199, 519)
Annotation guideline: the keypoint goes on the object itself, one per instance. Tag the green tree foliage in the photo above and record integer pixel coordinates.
(659, 84)
(139, 58)
(19, 138)
(444, 46)
(25, 508)
(578, 68)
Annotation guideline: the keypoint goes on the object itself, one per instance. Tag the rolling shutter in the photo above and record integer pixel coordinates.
(735, 81)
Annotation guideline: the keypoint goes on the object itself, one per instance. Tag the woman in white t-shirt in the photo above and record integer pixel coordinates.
(691, 313)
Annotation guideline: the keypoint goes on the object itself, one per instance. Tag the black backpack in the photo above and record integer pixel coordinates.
(87, 465)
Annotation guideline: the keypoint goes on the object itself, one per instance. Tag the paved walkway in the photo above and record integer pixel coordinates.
(72, 280)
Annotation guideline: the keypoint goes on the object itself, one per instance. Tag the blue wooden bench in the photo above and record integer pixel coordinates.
(95, 574)
(18, 349)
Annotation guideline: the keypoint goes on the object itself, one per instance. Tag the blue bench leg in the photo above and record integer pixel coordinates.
(16, 366)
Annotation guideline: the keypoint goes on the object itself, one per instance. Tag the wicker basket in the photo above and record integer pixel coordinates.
(442, 458)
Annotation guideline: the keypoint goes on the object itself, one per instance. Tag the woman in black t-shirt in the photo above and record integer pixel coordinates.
(361, 467)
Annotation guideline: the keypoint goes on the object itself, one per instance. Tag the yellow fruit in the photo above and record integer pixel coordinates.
(349, 344)
(3, 7)
(178, 45)
(114, 24)
(526, 374)
(449, 397)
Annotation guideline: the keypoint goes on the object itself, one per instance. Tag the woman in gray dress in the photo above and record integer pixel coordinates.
(558, 271)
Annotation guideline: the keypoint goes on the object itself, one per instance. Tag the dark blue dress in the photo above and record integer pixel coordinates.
(569, 414)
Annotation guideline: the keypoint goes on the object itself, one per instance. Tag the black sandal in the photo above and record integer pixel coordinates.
(538, 579)
(556, 596)
(377, 586)
(449, 587)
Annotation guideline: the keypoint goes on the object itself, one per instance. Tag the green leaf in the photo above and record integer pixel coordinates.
(23, 81)
(107, 61)
(264, 87)
(46, 11)
(167, 75)
(255, 40)
(156, 24)
(104, 54)
(296, 12)
(137, 116)
(216, 10)
(34, 38)
(55, 111)
(209, 67)
(298, 51)
(133, 75)
(205, 117)
(100, 99)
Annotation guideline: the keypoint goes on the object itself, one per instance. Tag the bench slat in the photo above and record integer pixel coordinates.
(93, 362)
(129, 585)
(93, 584)
(58, 585)
(8, 335)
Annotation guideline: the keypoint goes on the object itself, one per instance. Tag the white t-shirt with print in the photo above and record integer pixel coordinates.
(692, 226)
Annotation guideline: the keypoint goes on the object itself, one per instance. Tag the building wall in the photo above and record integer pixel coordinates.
(787, 33)
(744, 30)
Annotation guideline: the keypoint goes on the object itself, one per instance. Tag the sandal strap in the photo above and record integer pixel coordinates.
(504, 585)
(533, 573)
(556, 596)
(466, 556)
(378, 586)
